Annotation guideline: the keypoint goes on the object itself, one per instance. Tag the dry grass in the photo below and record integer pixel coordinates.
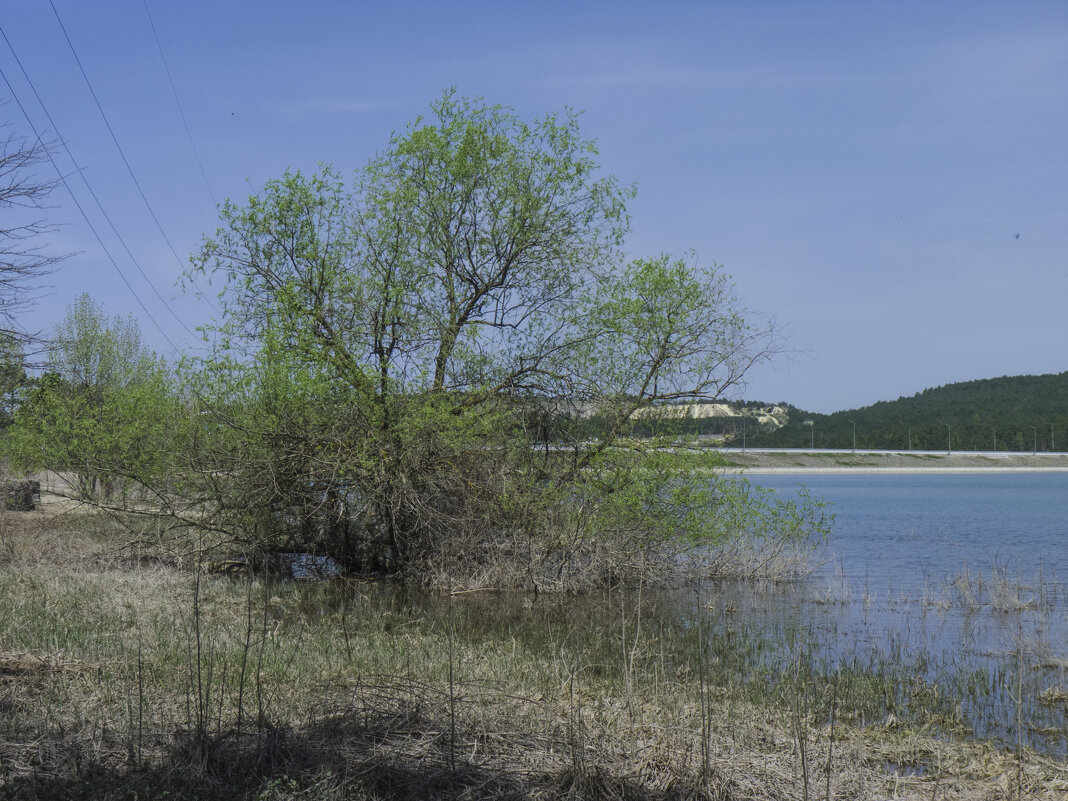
(123, 675)
(998, 590)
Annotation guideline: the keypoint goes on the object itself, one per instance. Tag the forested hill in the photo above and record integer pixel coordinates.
(1021, 411)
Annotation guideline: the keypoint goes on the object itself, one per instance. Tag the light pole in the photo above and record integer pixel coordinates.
(1034, 445)
(995, 441)
(811, 434)
(854, 422)
(910, 439)
(949, 439)
(1051, 448)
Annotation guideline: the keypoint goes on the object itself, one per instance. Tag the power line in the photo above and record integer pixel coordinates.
(88, 222)
(122, 153)
(177, 102)
(81, 210)
(88, 186)
(85, 217)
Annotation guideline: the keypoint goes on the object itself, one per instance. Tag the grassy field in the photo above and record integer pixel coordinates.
(150, 671)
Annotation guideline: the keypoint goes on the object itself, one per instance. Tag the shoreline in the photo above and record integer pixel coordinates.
(890, 470)
(771, 463)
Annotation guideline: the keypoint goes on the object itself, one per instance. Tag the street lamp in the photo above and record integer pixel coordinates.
(812, 434)
(854, 422)
(949, 439)
(1034, 445)
(995, 440)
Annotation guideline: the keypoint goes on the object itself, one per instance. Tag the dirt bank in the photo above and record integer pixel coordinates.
(762, 462)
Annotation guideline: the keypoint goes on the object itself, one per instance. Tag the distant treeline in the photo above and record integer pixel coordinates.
(1012, 413)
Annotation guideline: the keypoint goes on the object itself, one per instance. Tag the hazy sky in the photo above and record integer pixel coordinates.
(888, 181)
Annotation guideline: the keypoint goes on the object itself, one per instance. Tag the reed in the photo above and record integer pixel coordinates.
(129, 674)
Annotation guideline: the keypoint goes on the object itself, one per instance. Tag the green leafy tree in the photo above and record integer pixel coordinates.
(434, 370)
(442, 362)
(100, 412)
(96, 355)
(439, 292)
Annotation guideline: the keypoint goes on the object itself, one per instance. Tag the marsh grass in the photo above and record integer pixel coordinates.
(138, 674)
(1000, 590)
(761, 559)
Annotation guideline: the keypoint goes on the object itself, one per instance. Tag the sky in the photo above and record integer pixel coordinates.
(886, 182)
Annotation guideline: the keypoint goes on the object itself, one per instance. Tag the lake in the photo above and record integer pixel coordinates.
(958, 577)
(896, 532)
(941, 601)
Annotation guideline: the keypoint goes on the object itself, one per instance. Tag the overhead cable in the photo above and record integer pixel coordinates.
(88, 186)
(122, 153)
(81, 210)
(177, 102)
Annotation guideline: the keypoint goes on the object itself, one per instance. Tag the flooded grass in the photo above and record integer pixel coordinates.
(138, 674)
(957, 663)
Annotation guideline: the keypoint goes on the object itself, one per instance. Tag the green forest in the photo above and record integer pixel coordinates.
(1011, 413)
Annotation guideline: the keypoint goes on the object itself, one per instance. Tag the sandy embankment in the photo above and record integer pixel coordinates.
(838, 462)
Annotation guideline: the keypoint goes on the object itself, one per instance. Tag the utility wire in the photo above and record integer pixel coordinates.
(81, 210)
(63, 179)
(177, 102)
(122, 153)
(24, 338)
(88, 186)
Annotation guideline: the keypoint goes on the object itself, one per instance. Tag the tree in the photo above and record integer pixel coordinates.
(22, 196)
(95, 355)
(430, 291)
(103, 410)
(440, 363)
(435, 371)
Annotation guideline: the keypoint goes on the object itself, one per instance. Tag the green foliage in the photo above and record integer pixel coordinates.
(95, 355)
(664, 497)
(103, 413)
(437, 363)
(433, 370)
(1023, 411)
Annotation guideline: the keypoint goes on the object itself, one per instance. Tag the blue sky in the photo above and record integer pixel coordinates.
(862, 170)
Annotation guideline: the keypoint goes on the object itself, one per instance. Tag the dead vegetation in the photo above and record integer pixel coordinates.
(122, 677)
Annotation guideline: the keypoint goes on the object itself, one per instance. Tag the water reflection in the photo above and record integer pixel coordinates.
(941, 607)
(955, 671)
